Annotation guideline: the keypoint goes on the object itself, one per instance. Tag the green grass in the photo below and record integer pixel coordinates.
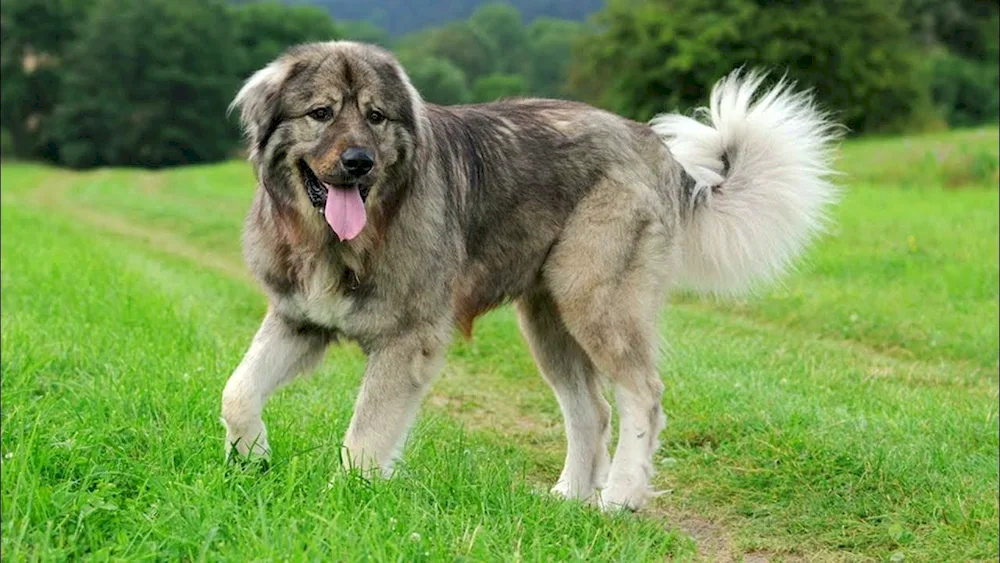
(849, 414)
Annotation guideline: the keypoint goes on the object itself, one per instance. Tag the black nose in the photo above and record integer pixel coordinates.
(357, 162)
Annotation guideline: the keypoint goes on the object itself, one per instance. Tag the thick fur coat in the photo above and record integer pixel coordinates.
(391, 221)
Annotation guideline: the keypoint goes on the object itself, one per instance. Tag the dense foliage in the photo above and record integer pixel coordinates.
(264, 29)
(125, 99)
(33, 37)
(118, 82)
(495, 54)
(857, 54)
(399, 17)
(961, 41)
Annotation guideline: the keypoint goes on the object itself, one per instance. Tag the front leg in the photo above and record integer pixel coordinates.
(396, 378)
(279, 352)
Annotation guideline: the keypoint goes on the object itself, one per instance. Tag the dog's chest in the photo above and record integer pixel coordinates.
(320, 298)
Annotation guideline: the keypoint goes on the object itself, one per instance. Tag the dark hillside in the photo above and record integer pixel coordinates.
(399, 17)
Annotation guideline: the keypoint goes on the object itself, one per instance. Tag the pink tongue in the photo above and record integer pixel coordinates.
(345, 212)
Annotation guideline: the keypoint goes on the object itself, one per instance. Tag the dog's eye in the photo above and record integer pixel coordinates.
(375, 117)
(321, 114)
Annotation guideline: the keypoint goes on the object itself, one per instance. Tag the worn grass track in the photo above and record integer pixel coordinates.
(850, 414)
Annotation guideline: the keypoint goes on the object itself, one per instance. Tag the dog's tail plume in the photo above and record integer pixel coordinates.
(757, 170)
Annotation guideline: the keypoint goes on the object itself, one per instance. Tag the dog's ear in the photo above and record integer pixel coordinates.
(259, 104)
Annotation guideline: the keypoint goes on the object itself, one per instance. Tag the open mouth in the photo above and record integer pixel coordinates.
(317, 190)
(314, 188)
(343, 206)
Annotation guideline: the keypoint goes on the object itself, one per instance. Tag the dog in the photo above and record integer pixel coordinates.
(390, 221)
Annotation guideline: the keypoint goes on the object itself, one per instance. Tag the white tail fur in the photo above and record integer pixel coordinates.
(750, 220)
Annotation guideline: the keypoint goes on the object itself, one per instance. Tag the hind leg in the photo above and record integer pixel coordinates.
(575, 381)
(606, 276)
(622, 344)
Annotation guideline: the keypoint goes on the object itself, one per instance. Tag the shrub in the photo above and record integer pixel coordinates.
(663, 55)
(965, 90)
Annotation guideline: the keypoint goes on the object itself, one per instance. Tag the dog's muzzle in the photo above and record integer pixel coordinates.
(317, 191)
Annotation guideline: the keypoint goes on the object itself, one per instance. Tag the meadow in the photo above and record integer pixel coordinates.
(848, 414)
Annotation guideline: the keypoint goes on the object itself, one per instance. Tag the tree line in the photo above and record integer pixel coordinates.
(121, 82)
(398, 17)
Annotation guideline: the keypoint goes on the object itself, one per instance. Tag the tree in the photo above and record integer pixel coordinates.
(399, 17)
(459, 43)
(501, 24)
(961, 44)
(550, 47)
(265, 30)
(147, 84)
(663, 55)
(967, 28)
(365, 32)
(34, 35)
(497, 86)
(965, 90)
(438, 80)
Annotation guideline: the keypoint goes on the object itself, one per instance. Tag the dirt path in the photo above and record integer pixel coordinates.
(52, 197)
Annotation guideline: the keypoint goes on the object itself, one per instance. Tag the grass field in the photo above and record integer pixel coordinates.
(850, 414)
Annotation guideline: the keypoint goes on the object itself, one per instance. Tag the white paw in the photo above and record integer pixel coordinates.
(561, 489)
(365, 463)
(566, 489)
(625, 494)
(247, 441)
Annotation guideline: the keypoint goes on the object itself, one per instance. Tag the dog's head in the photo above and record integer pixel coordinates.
(328, 126)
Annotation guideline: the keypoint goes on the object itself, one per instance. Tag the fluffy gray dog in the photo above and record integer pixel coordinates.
(390, 221)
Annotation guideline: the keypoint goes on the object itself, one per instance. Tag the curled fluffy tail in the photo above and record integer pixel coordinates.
(758, 167)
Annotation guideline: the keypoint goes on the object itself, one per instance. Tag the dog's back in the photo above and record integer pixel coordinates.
(517, 170)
